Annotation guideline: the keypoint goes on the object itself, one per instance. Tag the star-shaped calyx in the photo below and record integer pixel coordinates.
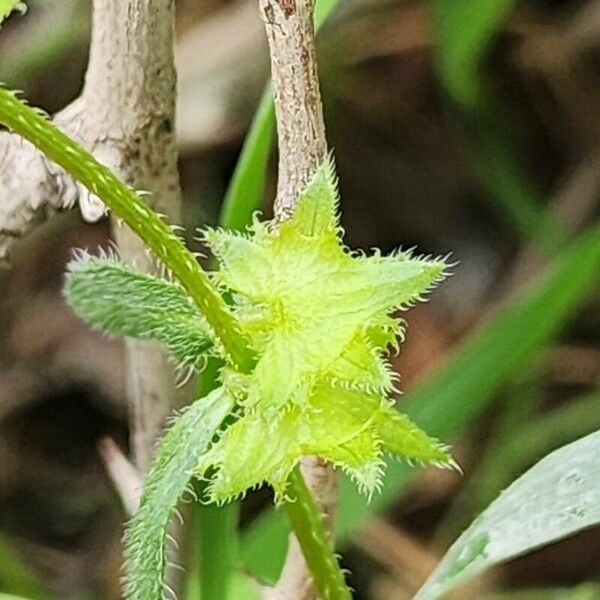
(320, 319)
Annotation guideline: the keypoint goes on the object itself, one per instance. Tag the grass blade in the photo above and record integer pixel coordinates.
(16, 576)
(246, 188)
(556, 498)
(464, 31)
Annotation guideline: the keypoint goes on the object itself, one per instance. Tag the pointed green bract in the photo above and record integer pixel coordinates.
(178, 454)
(320, 321)
(7, 6)
(351, 429)
(309, 307)
(115, 298)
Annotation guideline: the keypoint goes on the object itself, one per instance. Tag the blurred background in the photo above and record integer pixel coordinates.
(463, 126)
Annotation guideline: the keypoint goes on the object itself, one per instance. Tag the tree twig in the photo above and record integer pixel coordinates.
(125, 117)
(302, 147)
(129, 98)
(300, 126)
(125, 477)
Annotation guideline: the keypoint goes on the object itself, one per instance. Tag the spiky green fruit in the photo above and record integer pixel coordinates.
(320, 319)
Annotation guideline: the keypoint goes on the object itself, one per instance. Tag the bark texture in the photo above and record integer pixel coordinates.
(125, 117)
(300, 125)
(302, 147)
(130, 95)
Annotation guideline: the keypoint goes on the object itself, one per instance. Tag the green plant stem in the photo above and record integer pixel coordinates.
(316, 547)
(126, 204)
(159, 237)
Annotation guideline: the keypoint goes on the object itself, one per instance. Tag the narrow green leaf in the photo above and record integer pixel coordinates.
(246, 188)
(168, 479)
(119, 300)
(10, 597)
(511, 190)
(16, 576)
(558, 497)
(452, 398)
(464, 30)
(218, 549)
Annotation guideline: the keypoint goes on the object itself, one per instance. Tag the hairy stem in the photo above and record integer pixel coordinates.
(126, 205)
(313, 540)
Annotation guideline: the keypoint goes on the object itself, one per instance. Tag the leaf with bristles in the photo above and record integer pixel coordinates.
(311, 308)
(115, 298)
(7, 6)
(169, 477)
(349, 428)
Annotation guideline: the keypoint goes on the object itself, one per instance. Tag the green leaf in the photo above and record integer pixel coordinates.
(115, 298)
(11, 597)
(304, 301)
(558, 497)
(216, 572)
(349, 428)
(169, 477)
(446, 403)
(15, 574)
(514, 450)
(7, 6)
(464, 32)
(245, 192)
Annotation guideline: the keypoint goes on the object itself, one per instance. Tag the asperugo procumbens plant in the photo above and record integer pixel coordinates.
(304, 341)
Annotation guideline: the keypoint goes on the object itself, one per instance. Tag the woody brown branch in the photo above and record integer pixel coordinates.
(302, 147)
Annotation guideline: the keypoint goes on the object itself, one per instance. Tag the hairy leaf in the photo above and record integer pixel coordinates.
(7, 6)
(558, 497)
(169, 477)
(306, 302)
(115, 298)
